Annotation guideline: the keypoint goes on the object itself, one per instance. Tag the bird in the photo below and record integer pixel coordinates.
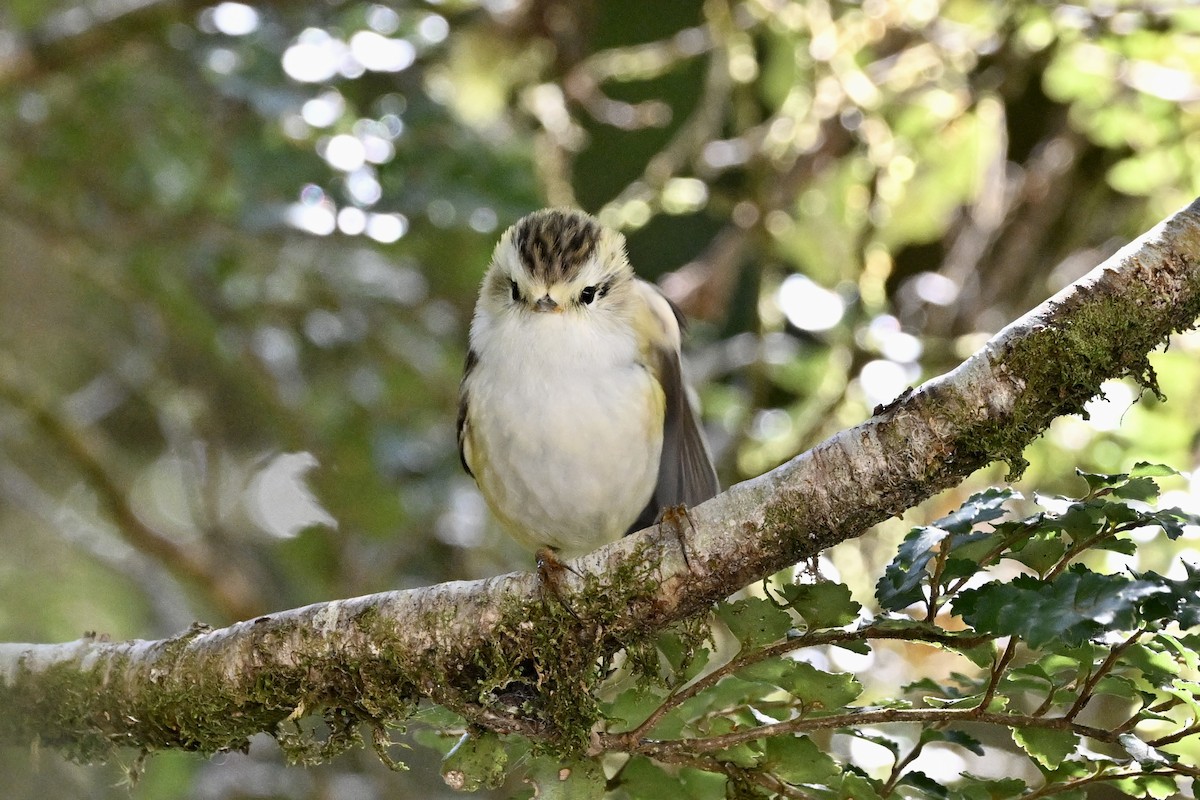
(573, 418)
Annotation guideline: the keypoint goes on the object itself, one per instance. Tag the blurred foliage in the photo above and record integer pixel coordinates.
(239, 246)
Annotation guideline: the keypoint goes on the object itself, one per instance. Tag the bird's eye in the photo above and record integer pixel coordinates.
(587, 295)
(516, 293)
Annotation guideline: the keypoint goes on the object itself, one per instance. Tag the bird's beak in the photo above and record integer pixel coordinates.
(546, 303)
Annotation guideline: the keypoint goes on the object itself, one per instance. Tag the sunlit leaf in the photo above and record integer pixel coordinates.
(475, 762)
(797, 759)
(1047, 746)
(1072, 608)
(755, 621)
(903, 580)
(824, 604)
(554, 780)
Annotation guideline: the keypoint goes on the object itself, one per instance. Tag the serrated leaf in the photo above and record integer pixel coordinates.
(730, 691)
(755, 621)
(796, 759)
(1185, 649)
(822, 605)
(1117, 686)
(857, 787)
(1048, 747)
(1178, 600)
(886, 742)
(1119, 513)
(746, 755)
(1099, 480)
(956, 737)
(902, 582)
(1081, 520)
(813, 687)
(983, 506)
(1148, 470)
(1157, 667)
(819, 689)
(475, 762)
(1144, 489)
(926, 785)
(976, 788)
(641, 777)
(685, 661)
(903, 579)
(1040, 552)
(552, 780)
(1173, 521)
(699, 784)
(633, 705)
(1157, 787)
(1072, 608)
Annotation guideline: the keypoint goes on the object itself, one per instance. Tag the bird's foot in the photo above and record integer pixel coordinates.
(552, 576)
(678, 521)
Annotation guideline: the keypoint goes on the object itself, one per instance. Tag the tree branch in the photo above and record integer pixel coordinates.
(485, 648)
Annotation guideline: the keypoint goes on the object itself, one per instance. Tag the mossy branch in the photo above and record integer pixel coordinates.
(501, 655)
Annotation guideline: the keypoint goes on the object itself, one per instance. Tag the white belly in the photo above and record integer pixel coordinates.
(564, 441)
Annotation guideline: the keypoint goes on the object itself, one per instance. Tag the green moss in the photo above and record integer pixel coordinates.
(553, 680)
(1063, 364)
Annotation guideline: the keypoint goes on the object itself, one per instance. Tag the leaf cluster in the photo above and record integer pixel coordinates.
(1068, 674)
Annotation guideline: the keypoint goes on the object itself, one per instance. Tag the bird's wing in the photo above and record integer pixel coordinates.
(463, 401)
(685, 471)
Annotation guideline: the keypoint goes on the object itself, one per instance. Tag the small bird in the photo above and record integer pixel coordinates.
(573, 417)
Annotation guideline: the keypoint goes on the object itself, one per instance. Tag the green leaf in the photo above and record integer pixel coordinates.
(796, 759)
(902, 582)
(1172, 521)
(903, 579)
(746, 755)
(886, 742)
(641, 777)
(813, 687)
(698, 785)
(960, 738)
(633, 705)
(976, 788)
(475, 762)
(822, 605)
(819, 689)
(1178, 600)
(1146, 469)
(984, 506)
(926, 785)
(1097, 480)
(1074, 607)
(1048, 747)
(1144, 489)
(857, 787)
(552, 780)
(1159, 668)
(1157, 787)
(755, 621)
(686, 661)
(1041, 551)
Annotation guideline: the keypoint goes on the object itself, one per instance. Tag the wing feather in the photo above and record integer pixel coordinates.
(686, 475)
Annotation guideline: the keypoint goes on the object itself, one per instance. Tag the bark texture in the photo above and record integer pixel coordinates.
(510, 659)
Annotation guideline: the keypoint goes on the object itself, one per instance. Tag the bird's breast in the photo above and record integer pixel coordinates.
(570, 430)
